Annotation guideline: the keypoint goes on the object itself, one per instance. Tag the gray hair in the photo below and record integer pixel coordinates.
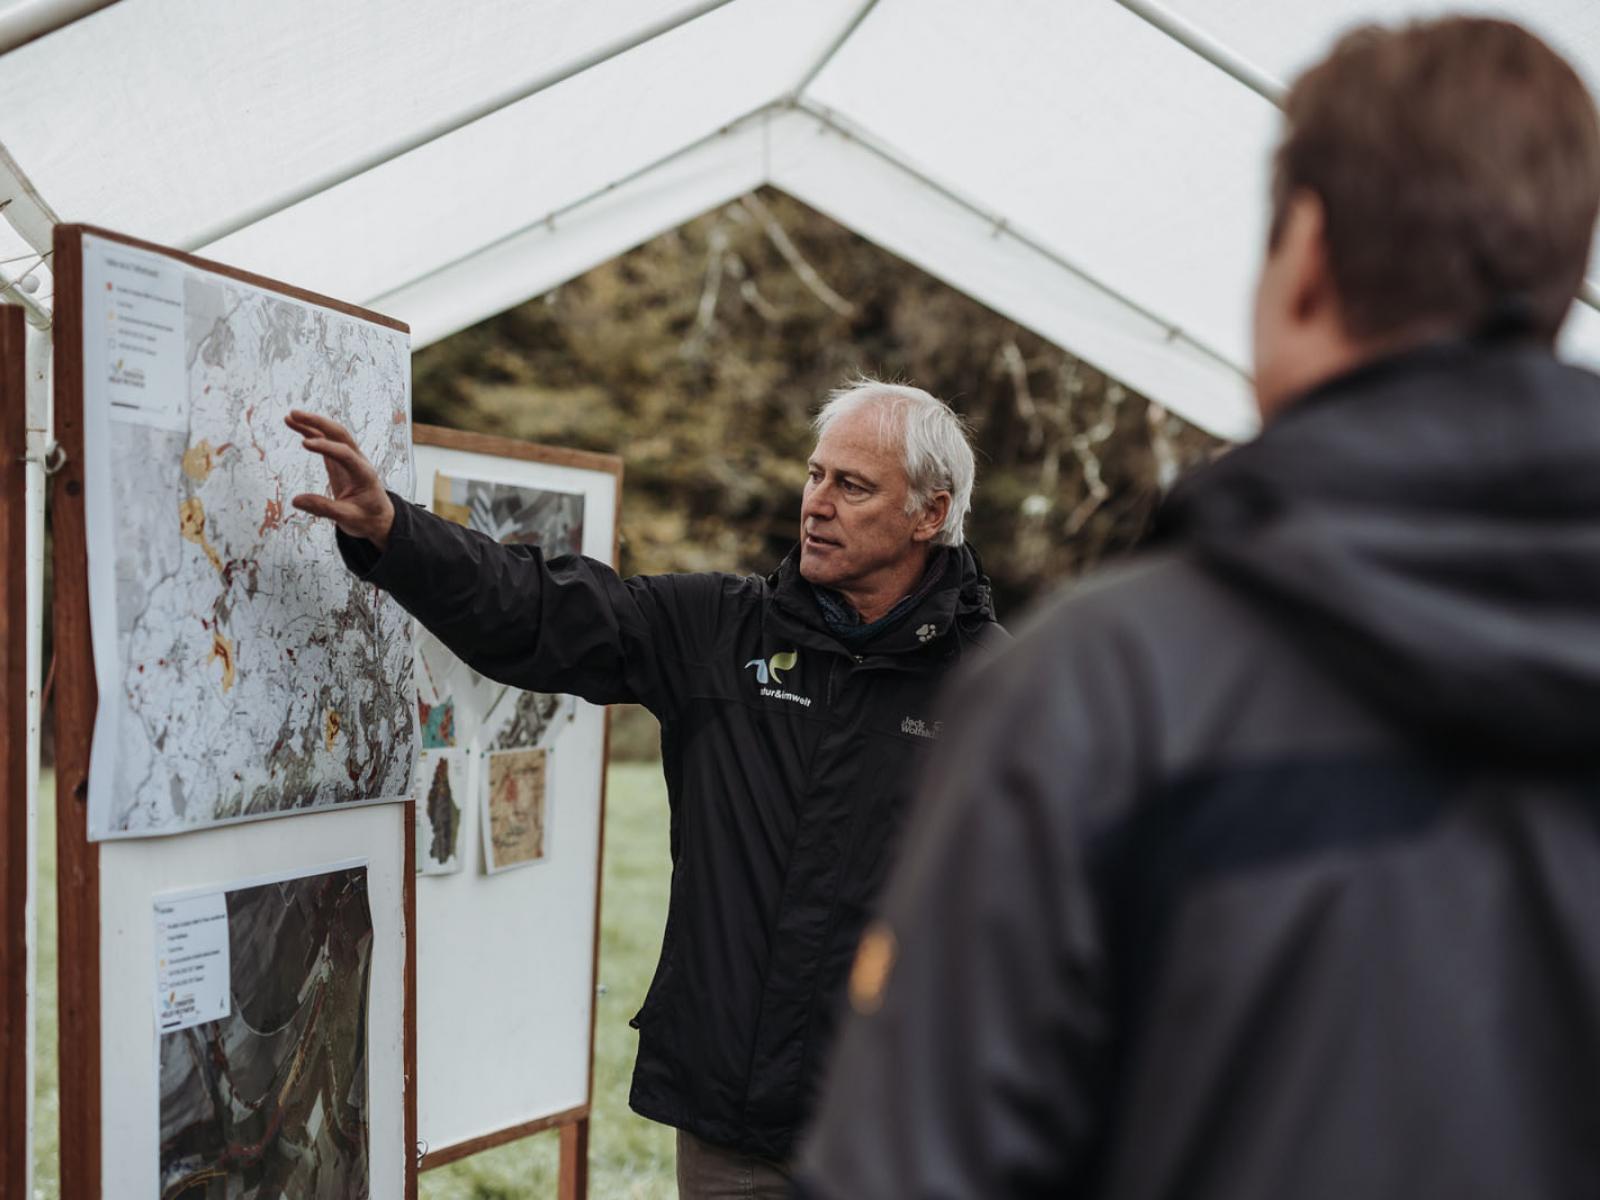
(934, 445)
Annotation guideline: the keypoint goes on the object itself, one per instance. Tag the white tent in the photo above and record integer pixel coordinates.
(1094, 169)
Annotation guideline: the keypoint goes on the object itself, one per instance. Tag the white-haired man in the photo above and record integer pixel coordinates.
(793, 709)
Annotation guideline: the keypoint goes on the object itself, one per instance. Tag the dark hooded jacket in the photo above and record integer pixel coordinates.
(788, 760)
(1268, 866)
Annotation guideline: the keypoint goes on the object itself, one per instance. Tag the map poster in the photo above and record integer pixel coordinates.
(441, 790)
(243, 672)
(514, 808)
(271, 1100)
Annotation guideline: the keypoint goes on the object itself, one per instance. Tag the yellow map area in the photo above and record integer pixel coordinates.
(197, 461)
(222, 649)
(192, 521)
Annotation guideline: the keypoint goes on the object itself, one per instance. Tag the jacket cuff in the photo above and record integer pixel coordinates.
(364, 559)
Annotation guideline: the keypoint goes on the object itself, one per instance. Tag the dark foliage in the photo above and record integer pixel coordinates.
(701, 356)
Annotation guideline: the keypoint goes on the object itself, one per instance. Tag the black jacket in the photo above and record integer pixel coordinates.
(787, 757)
(1269, 865)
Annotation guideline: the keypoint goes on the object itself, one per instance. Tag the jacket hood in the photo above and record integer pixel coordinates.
(1428, 528)
(960, 604)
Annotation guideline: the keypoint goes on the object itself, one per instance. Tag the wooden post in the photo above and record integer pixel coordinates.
(574, 1183)
(413, 1161)
(16, 1078)
(77, 858)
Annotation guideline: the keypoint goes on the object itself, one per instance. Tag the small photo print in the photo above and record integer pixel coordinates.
(514, 808)
(441, 791)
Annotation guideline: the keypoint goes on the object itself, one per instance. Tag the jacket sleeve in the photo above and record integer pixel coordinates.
(565, 624)
(972, 1065)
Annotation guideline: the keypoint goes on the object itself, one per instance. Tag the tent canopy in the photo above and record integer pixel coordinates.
(1097, 171)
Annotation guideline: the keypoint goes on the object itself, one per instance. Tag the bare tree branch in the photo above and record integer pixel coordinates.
(1083, 447)
(695, 343)
(1016, 366)
(777, 235)
(748, 291)
(1161, 447)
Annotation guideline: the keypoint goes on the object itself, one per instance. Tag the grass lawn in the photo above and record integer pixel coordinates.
(629, 1158)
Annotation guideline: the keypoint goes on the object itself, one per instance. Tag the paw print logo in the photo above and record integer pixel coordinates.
(926, 633)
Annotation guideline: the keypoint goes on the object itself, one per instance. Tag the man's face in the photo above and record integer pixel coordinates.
(853, 520)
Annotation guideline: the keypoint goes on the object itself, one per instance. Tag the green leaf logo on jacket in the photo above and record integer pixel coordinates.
(767, 672)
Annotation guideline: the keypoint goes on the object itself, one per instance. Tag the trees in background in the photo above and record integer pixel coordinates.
(701, 355)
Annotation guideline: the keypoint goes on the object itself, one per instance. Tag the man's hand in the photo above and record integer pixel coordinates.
(360, 505)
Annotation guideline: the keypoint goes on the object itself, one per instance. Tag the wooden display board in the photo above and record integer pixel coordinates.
(16, 1076)
(507, 962)
(107, 889)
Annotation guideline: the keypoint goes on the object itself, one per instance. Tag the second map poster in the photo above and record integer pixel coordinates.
(507, 734)
(270, 1099)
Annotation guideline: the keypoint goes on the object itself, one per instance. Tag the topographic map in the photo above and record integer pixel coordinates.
(254, 675)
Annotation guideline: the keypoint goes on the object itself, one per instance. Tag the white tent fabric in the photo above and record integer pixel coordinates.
(1082, 168)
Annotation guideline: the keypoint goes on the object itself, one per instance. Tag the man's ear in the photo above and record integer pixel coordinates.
(1304, 245)
(932, 519)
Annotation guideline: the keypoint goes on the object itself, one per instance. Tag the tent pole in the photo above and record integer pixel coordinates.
(11, 290)
(25, 22)
(555, 214)
(432, 133)
(1208, 48)
(845, 34)
(39, 355)
(1247, 73)
(1003, 227)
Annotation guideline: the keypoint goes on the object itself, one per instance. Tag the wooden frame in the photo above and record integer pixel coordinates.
(16, 1077)
(76, 699)
(573, 1122)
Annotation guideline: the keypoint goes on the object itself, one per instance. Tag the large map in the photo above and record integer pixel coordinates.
(251, 673)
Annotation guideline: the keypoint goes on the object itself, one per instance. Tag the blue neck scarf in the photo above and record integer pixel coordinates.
(845, 623)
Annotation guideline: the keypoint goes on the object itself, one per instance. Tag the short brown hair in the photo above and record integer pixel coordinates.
(1458, 163)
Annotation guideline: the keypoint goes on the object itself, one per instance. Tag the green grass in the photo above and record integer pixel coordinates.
(46, 1076)
(629, 1158)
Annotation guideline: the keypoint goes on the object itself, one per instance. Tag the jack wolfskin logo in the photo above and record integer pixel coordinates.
(767, 672)
(920, 728)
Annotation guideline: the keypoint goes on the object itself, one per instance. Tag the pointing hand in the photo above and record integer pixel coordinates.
(360, 505)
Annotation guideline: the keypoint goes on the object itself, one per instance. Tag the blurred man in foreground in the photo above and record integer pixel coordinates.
(792, 709)
(1268, 867)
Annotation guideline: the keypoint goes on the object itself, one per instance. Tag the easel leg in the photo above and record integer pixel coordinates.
(575, 1160)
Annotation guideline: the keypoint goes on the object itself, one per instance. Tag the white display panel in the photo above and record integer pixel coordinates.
(134, 872)
(505, 962)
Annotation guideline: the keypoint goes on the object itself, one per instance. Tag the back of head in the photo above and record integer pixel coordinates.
(1458, 165)
(1418, 524)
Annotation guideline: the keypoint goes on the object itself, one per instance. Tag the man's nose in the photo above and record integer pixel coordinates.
(818, 503)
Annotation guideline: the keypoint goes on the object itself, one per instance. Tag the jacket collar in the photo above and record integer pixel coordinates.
(957, 606)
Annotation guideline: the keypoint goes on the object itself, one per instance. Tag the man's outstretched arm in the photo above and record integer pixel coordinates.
(567, 624)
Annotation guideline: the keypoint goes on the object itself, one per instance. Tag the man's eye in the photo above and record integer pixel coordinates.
(852, 487)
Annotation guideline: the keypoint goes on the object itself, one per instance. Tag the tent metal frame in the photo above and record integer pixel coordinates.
(449, 125)
(1258, 81)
